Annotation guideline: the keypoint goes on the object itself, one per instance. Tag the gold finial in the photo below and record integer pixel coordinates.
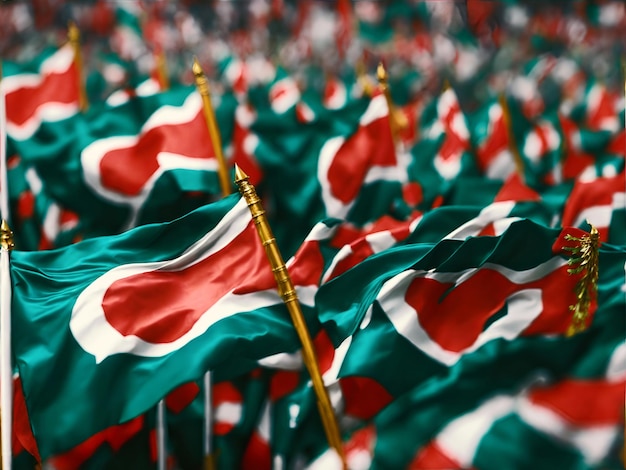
(73, 35)
(290, 299)
(6, 236)
(209, 462)
(240, 175)
(202, 85)
(584, 258)
(196, 68)
(381, 74)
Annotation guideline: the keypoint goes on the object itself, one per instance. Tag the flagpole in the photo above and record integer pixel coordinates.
(506, 117)
(6, 368)
(4, 180)
(398, 122)
(161, 67)
(202, 84)
(161, 416)
(290, 298)
(161, 436)
(73, 34)
(207, 428)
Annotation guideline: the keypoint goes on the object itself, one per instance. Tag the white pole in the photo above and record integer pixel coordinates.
(161, 436)
(207, 434)
(6, 367)
(4, 185)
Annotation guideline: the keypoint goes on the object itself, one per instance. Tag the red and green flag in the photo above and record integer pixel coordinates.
(107, 315)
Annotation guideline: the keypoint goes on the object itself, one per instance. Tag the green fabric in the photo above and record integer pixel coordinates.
(56, 371)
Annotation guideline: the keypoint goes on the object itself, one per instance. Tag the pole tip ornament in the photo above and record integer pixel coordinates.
(240, 175)
(196, 68)
(381, 73)
(6, 236)
(73, 33)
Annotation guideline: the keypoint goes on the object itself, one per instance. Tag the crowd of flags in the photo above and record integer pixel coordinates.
(445, 180)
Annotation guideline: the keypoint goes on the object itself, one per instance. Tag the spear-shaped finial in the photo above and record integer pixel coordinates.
(584, 259)
(290, 299)
(73, 36)
(381, 75)
(6, 236)
(202, 85)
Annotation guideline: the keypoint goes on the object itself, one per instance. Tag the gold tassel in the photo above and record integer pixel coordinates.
(584, 259)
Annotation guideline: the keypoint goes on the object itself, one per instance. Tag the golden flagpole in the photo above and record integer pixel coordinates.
(202, 84)
(397, 120)
(73, 35)
(161, 68)
(506, 117)
(288, 294)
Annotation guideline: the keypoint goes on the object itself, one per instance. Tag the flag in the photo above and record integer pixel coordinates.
(423, 302)
(40, 222)
(562, 400)
(85, 167)
(369, 156)
(342, 164)
(118, 331)
(491, 141)
(46, 90)
(600, 202)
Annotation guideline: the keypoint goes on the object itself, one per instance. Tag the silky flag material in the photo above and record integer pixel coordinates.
(45, 91)
(560, 398)
(368, 155)
(163, 138)
(155, 149)
(107, 327)
(426, 302)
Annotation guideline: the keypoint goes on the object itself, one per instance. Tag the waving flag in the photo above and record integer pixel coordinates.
(562, 399)
(157, 148)
(488, 128)
(421, 301)
(122, 327)
(600, 202)
(147, 160)
(45, 91)
(40, 222)
(367, 155)
(445, 123)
